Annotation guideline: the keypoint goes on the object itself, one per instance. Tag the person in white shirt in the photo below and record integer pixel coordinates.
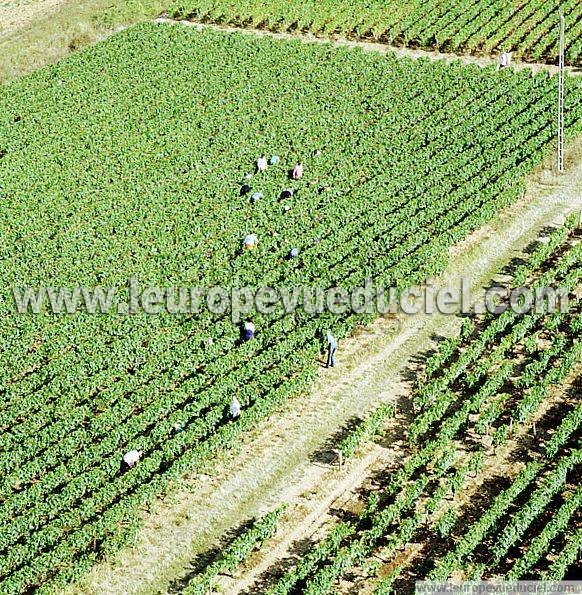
(504, 60)
(130, 459)
(235, 409)
(248, 331)
(331, 349)
(261, 163)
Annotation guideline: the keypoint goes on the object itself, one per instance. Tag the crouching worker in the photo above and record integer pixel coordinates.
(248, 331)
(130, 460)
(234, 409)
(297, 172)
(287, 194)
(262, 163)
(250, 242)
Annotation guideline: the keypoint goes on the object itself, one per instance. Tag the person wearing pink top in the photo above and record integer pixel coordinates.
(298, 171)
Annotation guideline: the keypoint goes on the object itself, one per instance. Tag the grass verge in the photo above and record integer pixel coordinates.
(70, 26)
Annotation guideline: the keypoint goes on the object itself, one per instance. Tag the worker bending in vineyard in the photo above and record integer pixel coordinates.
(235, 409)
(130, 459)
(297, 172)
(261, 163)
(504, 60)
(287, 194)
(248, 331)
(250, 242)
(331, 349)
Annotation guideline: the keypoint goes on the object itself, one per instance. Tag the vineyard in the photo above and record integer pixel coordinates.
(484, 401)
(530, 28)
(127, 161)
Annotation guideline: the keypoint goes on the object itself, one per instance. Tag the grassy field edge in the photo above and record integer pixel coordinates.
(70, 26)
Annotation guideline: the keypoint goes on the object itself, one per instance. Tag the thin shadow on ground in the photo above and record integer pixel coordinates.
(201, 561)
(269, 578)
(325, 455)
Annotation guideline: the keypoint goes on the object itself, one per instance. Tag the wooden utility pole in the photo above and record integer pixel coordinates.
(561, 97)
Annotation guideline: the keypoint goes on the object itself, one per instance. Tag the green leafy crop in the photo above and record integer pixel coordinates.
(126, 160)
(528, 28)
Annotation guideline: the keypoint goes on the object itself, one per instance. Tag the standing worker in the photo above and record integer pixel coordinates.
(504, 60)
(234, 409)
(331, 349)
(297, 171)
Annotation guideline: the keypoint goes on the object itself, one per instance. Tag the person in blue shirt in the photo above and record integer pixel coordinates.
(331, 349)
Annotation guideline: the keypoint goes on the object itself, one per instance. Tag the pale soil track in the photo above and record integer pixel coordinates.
(18, 15)
(280, 460)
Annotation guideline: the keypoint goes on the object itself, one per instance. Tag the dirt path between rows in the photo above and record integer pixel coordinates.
(383, 48)
(500, 462)
(280, 460)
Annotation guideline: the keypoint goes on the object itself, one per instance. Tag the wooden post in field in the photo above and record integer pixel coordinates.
(340, 458)
(561, 97)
